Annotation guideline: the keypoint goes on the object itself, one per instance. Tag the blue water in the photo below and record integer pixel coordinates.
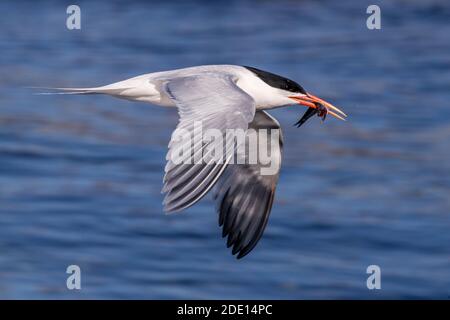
(80, 177)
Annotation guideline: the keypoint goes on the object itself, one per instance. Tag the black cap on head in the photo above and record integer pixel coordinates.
(277, 81)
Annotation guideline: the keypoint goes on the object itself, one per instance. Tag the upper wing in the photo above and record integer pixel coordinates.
(212, 101)
(244, 196)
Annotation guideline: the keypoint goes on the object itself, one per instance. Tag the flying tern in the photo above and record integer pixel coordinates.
(222, 97)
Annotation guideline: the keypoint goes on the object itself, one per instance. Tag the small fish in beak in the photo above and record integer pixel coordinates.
(320, 110)
(316, 106)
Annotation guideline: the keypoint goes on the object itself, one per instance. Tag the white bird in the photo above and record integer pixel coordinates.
(222, 97)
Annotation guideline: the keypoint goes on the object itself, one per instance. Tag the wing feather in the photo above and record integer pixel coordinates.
(244, 196)
(218, 103)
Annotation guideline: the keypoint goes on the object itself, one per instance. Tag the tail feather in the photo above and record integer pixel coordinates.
(96, 90)
(133, 89)
(63, 91)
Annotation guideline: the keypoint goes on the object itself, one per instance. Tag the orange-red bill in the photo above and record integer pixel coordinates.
(311, 101)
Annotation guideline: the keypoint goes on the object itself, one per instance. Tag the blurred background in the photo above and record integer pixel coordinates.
(80, 177)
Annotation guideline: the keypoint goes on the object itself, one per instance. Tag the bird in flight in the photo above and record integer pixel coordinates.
(221, 97)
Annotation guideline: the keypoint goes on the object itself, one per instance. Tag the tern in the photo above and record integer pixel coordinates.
(221, 97)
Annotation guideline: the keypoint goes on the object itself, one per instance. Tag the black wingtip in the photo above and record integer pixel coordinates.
(240, 256)
(243, 253)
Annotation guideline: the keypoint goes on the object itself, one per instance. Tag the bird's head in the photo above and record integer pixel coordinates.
(291, 92)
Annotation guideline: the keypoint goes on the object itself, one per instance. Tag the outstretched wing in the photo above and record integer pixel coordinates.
(207, 101)
(244, 193)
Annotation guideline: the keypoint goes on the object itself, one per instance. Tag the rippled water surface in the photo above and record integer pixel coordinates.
(80, 177)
